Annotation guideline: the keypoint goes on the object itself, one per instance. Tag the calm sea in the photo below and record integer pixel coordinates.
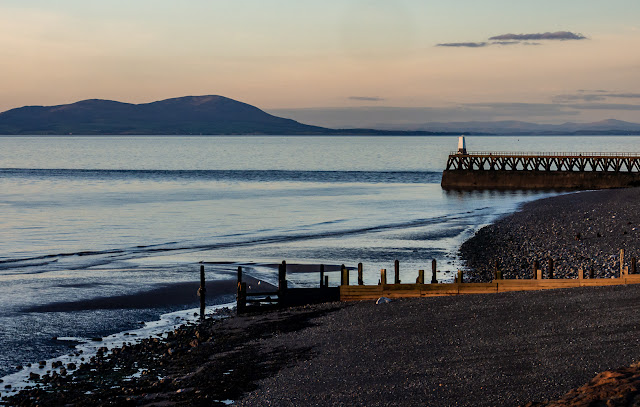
(91, 218)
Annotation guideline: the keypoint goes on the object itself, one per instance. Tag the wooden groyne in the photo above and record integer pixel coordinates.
(518, 170)
(285, 296)
(540, 279)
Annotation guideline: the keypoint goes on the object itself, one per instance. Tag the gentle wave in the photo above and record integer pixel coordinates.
(409, 177)
(109, 255)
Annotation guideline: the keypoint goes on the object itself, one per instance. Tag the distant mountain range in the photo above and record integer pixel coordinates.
(211, 115)
(207, 115)
(523, 128)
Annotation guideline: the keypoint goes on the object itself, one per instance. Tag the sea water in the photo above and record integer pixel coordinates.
(84, 219)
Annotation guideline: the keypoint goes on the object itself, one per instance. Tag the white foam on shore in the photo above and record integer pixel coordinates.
(88, 348)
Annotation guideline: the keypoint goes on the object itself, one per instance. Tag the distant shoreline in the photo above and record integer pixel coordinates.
(346, 134)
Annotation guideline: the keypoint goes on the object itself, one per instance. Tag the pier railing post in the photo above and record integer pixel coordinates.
(580, 274)
(495, 271)
(592, 273)
(396, 266)
(344, 280)
(322, 276)
(434, 279)
(459, 278)
(202, 292)
(420, 277)
(550, 270)
(360, 271)
(621, 263)
(536, 267)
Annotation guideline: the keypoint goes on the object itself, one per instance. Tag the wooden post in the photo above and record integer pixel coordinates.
(621, 263)
(420, 277)
(383, 276)
(282, 278)
(539, 275)
(241, 298)
(434, 279)
(360, 270)
(322, 276)
(536, 267)
(625, 271)
(202, 292)
(460, 276)
(592, 273)
(633, 265)
(344, 280)
(396, 266)
(580, 274)
(499, 273)
(326, 281)
(495, 273)
(550, 270)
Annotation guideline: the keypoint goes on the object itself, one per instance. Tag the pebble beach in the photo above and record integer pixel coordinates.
(507, 349)
(580, 230)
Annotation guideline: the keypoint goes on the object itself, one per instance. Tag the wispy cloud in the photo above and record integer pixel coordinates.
(557, 36)
(604, 106)
(366, 98)
(505, 43)
(593, 96)
(518, 39)
(463, 44)
(585, 97)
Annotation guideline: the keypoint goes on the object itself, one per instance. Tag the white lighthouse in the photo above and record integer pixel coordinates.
(462, 145)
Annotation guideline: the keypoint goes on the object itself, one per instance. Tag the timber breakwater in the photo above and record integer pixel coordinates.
(555, 170)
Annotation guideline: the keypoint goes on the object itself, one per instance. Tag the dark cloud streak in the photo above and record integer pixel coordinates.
(515, 39)
(366, 98)
(464, 44)
(557, 36)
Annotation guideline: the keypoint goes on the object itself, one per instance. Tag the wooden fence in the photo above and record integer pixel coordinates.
(286, 296)
(497, 285)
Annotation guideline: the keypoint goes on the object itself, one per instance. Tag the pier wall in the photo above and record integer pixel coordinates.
(509, 179)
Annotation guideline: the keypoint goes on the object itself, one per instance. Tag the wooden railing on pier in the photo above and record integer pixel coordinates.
(522, 161)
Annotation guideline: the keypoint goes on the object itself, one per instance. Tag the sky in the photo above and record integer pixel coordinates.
(333, 62)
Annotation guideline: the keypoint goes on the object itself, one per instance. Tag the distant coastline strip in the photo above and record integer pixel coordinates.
(409, 177)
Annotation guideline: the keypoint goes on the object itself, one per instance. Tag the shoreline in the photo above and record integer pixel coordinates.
(505, 349)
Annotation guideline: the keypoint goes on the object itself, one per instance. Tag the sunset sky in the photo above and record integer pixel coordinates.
(333, 60)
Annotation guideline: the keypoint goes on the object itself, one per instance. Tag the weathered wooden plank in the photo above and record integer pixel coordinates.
(600, 282)
(402, 287)
(438, 289)
(372, 292)
(632, 278)
(477, 288)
